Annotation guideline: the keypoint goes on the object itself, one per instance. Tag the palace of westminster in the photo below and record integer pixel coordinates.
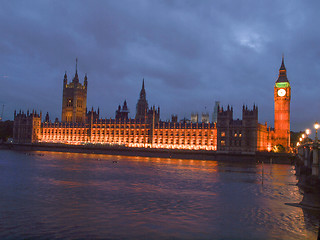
(79, 126)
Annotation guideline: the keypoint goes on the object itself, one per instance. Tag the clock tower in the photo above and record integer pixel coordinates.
(282, 97)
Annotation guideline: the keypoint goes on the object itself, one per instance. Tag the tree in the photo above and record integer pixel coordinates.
(6, 130)
(279, 149)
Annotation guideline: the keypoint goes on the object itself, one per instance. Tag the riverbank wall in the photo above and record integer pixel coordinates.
(266, 157)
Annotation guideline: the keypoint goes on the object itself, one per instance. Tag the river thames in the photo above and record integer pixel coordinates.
(50, 195)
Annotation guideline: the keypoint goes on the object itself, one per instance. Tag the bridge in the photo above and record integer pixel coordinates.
(308, 158)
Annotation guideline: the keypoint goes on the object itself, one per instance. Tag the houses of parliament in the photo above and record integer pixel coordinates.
(78, 126)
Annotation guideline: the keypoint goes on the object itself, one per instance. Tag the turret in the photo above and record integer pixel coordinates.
(142, 105)
(47, 118)
(76, 77)
(143, 91)
(65, 79)
(85, 82)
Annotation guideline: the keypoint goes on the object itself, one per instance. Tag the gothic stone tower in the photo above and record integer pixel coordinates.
(282, 97)
(74, 100)
(142, 105)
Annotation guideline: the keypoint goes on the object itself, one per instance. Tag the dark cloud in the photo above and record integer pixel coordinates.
(191, 53)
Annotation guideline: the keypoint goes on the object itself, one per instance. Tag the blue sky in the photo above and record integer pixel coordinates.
(190, 53)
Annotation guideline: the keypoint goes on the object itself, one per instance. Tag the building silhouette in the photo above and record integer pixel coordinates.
(215, 111)
(122, 113)
(79, 126)
(142, 105)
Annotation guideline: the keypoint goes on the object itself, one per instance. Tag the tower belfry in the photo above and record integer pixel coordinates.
(282, 98)
(74, 100)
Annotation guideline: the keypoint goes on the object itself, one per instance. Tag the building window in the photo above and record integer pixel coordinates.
(79, 103)
(70, 102)
(223, 143)
(223, 134)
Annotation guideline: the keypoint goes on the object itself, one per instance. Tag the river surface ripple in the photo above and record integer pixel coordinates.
(48, 195)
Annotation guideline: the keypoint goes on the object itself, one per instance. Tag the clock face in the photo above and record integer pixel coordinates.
(281, 92)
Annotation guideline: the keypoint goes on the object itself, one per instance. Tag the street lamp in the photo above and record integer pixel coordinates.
(316, 126)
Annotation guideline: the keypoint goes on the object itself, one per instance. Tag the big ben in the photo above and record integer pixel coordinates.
(282, 97)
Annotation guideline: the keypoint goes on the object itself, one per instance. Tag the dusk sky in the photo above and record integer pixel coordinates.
(190, 53)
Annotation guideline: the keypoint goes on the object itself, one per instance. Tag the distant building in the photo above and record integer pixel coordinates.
(205, 117)
(215, 112)
(174, 118)
(194, 117)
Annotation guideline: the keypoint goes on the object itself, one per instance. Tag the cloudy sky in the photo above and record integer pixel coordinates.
(190, 53)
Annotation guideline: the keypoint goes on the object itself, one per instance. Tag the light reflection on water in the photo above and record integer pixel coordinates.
(70, 195)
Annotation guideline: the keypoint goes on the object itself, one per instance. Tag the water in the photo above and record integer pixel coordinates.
(49, 195)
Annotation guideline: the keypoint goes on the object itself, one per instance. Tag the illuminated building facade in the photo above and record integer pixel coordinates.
(146, 130)
(282, 98)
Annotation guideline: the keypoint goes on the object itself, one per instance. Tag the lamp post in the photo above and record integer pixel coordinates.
(315, 165)
(316, 126)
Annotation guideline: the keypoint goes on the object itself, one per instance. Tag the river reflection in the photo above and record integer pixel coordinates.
(69, 195)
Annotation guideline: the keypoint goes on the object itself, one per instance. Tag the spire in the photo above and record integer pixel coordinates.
(85, 82)
(142, 105)
(65, 79)
(143, 91)
(282, 64)
(125, 107)
(76, 78)
(76, 66)
(282, 72)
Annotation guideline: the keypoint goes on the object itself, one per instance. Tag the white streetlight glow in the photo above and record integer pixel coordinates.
(316, 126)
(308, 131)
